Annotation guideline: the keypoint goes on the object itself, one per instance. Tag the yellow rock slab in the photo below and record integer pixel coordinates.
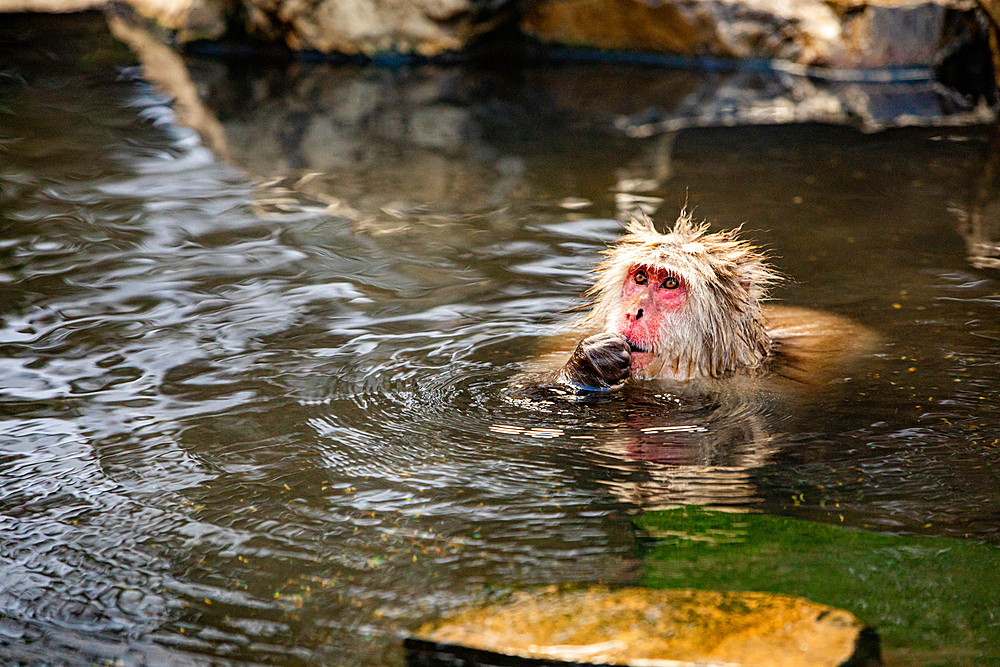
(658, 628)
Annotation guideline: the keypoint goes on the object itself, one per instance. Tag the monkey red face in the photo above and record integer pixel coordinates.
(649, 297)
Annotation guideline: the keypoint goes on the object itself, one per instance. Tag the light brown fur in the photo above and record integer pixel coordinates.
(724, 328)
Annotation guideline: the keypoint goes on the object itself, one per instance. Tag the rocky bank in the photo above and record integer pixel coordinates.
(833, 34)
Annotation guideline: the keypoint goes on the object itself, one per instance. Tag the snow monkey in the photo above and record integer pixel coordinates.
(688, 305)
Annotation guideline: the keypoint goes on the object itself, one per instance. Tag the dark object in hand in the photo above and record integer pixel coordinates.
(598, 363)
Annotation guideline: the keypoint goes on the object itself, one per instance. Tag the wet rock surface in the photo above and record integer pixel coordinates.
(425, 27)
(188, 20)
(636, 626)
(839, 35)
(809, 32)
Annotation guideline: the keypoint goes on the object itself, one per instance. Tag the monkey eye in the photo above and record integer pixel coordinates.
(640, 277)
(671, 283)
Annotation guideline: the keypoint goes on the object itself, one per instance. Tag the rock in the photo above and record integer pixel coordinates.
(992, 10)
(199, 19)
(49, 6)
(189, 19)
(846, 34)
(639, 626)
(424, 27)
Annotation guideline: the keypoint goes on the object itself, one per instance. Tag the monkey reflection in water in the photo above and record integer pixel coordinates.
(686, 310)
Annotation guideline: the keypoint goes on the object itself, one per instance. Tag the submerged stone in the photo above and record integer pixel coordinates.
(639, 626)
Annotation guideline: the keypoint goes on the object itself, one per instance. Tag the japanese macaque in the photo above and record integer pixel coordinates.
(689, 305)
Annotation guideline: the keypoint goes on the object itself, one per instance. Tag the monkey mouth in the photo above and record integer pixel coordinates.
(638, 347)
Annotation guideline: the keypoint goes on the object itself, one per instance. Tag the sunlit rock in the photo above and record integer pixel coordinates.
(425, 27)
(188, 19)
(840, 34)
(638, 626)
(837, 34)
(48, 6)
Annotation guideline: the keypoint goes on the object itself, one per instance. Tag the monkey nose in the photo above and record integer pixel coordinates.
(638, 315)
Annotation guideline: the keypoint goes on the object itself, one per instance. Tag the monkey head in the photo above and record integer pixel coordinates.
(688, 303)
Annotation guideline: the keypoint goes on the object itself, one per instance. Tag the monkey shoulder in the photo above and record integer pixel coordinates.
(811, 347)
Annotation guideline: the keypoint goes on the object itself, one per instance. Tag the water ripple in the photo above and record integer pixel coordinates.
(240, 429)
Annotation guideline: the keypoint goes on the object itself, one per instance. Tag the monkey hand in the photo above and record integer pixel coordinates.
(599, 363)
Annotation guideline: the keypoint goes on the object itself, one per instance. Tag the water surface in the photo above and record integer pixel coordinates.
(255, 411)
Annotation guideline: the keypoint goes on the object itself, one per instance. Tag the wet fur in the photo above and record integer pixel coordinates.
(724, 329)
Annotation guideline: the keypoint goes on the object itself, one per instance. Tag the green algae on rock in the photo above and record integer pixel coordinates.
(639, 626)
(932, 599)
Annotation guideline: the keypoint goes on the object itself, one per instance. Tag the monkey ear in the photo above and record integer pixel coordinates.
(755, 276)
